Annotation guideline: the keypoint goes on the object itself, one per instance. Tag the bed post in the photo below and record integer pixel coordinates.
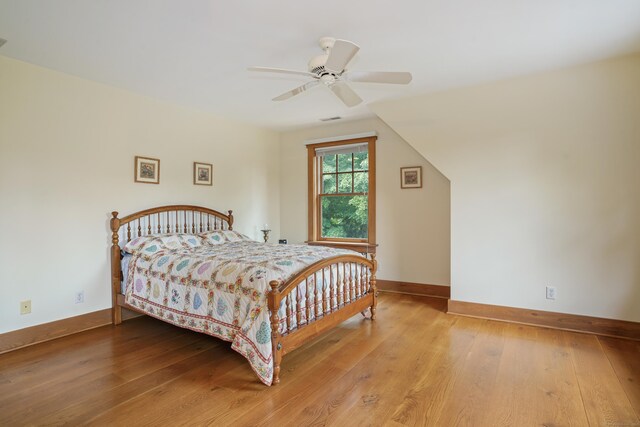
(230, 222)
(374, 288)
(274, 305)
(115, 269)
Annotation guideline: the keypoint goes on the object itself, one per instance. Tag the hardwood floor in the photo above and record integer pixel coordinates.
(415, 365)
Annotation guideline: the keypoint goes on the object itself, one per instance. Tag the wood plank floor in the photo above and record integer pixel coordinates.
(415, 365)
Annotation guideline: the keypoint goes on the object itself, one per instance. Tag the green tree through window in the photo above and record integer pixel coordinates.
(344, 195)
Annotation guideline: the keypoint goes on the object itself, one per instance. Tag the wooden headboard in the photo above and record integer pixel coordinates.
(160, 220)
(169, 219)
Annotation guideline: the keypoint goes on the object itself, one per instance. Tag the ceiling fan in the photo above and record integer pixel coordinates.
(329, 69)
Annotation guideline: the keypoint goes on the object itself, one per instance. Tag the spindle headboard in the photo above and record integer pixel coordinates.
(160, 220)
(169, 219)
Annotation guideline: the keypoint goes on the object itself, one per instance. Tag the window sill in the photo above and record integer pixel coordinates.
(362, 247)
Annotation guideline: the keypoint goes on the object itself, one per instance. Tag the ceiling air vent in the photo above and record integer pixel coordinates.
(330, 119)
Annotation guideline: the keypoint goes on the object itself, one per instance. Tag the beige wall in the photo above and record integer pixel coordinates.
(545, 175)
(412, 225)
(66, 160)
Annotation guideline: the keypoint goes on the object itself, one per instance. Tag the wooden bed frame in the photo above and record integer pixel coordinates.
(357, 293)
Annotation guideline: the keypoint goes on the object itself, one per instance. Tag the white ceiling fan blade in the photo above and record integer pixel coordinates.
(392, 77)
(340, 54)
(296, 91)
(282, 71)
(346, 94)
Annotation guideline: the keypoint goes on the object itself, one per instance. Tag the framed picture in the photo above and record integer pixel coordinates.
(202, 173)
(147, 170)
(411, 177)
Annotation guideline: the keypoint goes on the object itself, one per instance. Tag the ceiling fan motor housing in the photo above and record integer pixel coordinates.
(316, 65)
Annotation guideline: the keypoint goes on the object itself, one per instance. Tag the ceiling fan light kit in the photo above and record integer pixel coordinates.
(329, 68)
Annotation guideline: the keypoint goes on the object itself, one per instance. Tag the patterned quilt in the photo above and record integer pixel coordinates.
(219, 289)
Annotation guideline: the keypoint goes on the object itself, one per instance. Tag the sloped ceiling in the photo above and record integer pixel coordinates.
(195, 53)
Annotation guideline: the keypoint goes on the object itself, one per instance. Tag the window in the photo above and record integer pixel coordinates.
(342, 193)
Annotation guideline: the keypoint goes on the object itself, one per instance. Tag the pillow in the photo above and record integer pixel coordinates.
(153, 244)
(218, 237)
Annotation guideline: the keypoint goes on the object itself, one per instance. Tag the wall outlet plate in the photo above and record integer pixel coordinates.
(25, 307)
(551, 292)
(79, 297)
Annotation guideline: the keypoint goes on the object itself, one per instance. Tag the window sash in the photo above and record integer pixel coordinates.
(343, 239)
(337, 173)
(321, 194)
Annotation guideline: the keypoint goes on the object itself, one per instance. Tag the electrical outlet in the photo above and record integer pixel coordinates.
(551, 292)
(25, 307)
(79, 297)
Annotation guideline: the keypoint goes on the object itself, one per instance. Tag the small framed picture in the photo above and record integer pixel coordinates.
(202, 173)
(411, 177)
(147, 170)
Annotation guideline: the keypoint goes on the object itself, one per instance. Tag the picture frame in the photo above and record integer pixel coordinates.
(411, 177)
(146, 170)
(202, 173)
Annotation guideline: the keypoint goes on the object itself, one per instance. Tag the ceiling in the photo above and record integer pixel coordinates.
(195, 53)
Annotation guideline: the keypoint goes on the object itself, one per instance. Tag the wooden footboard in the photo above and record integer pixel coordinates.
(334, 290)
